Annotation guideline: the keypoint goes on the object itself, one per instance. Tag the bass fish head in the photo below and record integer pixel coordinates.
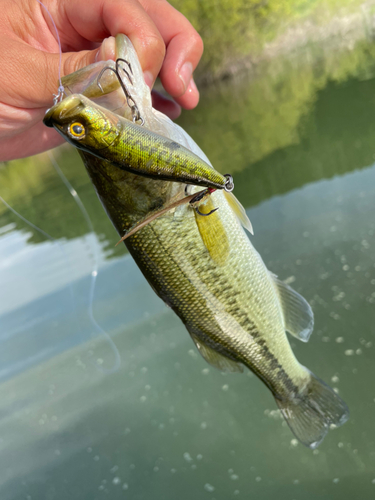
(87, 127)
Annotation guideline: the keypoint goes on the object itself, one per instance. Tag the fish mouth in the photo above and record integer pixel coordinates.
(63, 111)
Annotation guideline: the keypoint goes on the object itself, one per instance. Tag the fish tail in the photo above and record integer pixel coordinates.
(311, 414)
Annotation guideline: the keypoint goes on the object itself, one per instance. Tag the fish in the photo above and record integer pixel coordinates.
(207, 271)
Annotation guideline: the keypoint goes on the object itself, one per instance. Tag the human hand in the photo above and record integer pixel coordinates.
(166, 43)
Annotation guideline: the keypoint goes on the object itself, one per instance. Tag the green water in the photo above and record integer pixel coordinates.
(299, 137)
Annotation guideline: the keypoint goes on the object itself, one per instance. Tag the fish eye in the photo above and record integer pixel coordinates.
(77, 130)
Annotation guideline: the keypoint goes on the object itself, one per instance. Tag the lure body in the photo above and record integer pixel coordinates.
(130, 146)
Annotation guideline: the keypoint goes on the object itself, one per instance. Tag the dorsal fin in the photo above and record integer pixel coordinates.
(213, 232)
(298, 315)
(239, 210)
(216, 359)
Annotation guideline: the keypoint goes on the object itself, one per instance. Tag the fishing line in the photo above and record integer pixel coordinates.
(86, 216)
(77, 199)
(94, 272)
(46, 235)
(60, 90)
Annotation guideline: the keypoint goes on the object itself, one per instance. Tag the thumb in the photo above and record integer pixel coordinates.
(73, 61)
(31, 76)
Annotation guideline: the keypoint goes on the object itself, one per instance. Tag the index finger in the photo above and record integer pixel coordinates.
(184, 50)
(151, 25)
(94, 20)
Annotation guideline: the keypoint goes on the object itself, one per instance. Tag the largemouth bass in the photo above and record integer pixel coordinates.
(206, 269)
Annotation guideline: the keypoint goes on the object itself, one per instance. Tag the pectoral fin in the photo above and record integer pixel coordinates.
(213, 232)
(215, 359)
(298, 315)
(239, 210)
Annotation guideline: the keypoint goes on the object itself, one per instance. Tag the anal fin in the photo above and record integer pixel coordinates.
(216, 359)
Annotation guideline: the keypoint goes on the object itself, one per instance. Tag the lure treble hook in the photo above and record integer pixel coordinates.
(205, 215)
(129, 99)
(228, 187)
(198, 198)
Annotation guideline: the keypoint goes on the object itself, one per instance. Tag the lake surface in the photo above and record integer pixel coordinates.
(299, 137)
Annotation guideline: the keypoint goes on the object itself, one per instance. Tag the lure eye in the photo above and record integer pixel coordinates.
(77, 130)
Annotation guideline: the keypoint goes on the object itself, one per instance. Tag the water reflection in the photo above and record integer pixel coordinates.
(166, 425)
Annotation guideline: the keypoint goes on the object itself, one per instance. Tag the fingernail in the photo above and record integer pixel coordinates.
(192, 88)
(185, 74)
(107, 50)
(149, 79)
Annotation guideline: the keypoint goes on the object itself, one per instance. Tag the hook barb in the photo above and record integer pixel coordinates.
(205, 215)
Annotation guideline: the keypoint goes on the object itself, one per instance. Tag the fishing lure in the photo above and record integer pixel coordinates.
(130, 146)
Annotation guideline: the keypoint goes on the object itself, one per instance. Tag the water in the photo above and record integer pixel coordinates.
(300, 139)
